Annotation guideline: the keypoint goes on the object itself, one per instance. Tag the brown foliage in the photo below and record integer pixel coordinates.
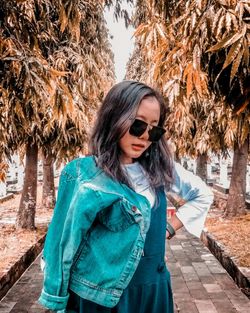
(57, 64)
(197, 53)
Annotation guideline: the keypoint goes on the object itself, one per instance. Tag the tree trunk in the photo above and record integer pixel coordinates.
(201, 169)
(49, 197)
(236, 202)
(27, 208)
(177, 158)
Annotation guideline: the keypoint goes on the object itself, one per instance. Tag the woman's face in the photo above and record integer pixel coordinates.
(133, 147)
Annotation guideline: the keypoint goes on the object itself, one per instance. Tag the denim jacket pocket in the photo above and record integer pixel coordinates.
(119, 216)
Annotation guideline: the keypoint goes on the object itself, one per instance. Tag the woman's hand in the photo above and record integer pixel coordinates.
(175, 223)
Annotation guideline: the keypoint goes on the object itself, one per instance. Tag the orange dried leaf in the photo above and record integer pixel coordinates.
(235, 65)
(63, 19)
(229, 40)
(189, 84)
(234, 50)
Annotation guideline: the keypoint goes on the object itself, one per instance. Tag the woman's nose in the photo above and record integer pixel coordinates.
(145, 135)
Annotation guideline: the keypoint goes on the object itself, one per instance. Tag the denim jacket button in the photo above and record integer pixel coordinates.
(134, 208)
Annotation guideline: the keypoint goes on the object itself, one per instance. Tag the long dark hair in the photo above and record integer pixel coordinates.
(114, 119)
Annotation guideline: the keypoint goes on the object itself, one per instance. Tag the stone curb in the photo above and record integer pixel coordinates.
(7, 197)
(241, 275)
(15, 272)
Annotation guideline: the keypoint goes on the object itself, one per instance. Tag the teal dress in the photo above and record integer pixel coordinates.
(149, 291)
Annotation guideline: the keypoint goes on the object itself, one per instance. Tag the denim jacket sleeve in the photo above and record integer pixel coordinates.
(65, 233)
(197, 196)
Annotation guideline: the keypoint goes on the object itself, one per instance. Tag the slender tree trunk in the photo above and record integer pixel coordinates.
(49, 197)
(236, 202)
(177, 158)
(201, 169)
(27, 207)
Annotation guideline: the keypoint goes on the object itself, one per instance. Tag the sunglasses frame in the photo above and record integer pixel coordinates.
(151, 131)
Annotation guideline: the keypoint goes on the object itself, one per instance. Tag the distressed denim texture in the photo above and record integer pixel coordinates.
(95, 239)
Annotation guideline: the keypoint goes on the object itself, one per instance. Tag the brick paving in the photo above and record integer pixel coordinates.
(200, 283)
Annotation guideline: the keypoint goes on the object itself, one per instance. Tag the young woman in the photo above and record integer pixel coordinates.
(105, 247)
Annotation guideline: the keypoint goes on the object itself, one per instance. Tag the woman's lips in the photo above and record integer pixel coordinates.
(137, 147)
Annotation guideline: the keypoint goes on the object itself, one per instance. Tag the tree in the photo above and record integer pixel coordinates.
(52, 80)
(26, 211)
(201, 168)
(91, 60)
(198, 53)
(49, 195)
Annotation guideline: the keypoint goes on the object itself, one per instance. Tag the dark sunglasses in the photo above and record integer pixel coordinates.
(138, 127)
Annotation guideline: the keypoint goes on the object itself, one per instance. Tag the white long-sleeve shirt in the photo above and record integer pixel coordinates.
(197, 195)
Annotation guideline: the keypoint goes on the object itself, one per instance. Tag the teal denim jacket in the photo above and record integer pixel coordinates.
(95, 239)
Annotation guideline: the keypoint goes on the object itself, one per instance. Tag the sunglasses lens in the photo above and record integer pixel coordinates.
(138, 128)
(156, 133)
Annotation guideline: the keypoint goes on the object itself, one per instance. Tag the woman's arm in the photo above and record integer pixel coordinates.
(196, 200)
(75, 211)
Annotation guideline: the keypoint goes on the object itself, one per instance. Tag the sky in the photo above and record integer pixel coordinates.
(122, 42)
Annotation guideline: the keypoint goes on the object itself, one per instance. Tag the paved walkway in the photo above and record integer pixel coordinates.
(200, 284)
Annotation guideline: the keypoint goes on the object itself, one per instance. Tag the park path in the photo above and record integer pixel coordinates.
(200, 283)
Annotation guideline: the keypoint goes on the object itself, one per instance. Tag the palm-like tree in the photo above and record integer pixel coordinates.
(91, 60)
(56, 64)
(198, 54)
